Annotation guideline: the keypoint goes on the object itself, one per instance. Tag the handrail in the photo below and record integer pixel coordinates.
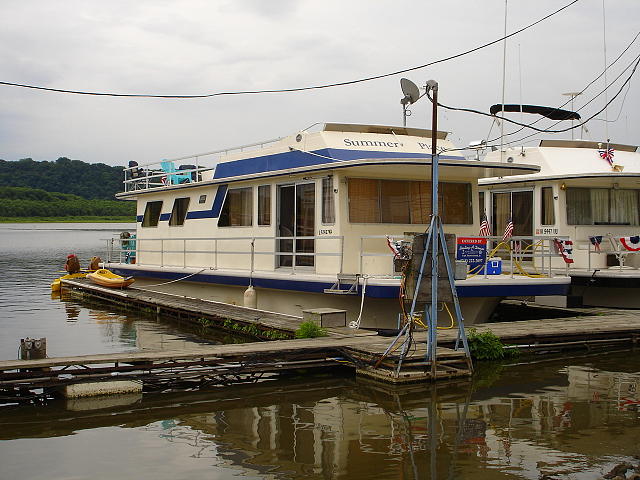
(177, 252)
(616, 249)
(543, 243)
(225, 151)
(141, 176)
(164, 250)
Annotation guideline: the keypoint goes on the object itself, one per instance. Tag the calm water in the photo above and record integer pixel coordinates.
(574, 417)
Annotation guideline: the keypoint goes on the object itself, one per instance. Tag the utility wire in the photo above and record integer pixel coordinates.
(546, 130)
(297, 89)
(538, 130)
(627, 82)
(581, 92)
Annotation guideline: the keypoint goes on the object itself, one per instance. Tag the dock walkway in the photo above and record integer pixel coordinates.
(209, 365)
(181, 306)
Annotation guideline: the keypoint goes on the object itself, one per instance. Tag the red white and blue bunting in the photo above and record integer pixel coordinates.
(596, 240)
(564, 248)
(631, 243)
(607, 154)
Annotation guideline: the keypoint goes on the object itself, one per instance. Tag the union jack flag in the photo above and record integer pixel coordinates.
(607, 154)
(485, 229)
(508, 230)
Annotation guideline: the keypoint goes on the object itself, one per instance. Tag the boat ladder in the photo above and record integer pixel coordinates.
(346, 284)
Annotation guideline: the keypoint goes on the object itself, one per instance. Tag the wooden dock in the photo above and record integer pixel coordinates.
(204, 366)
(183, 307)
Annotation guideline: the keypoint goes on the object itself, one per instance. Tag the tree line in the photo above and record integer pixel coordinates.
(32, 202)
(88, 180)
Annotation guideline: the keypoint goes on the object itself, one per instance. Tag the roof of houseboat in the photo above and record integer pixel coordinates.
(332, 146)
(563, 159)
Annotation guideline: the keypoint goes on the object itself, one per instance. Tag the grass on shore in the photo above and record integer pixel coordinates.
(70, 219)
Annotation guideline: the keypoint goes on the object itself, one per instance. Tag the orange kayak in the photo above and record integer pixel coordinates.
(107, 278)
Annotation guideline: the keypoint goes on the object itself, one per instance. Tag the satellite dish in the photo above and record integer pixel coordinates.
(410, 90)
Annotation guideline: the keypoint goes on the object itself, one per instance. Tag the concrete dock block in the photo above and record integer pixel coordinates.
(116, 387)
(84, 404)
(325, 317)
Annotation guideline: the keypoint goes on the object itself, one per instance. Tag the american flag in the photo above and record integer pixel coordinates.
(485, 229)
(508, 230)
(607, 155)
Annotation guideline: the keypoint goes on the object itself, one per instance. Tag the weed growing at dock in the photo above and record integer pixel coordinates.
(487, 346)
(310, 330)
(251, 329)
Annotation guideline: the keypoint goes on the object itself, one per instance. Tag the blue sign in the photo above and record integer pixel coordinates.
(472, 250)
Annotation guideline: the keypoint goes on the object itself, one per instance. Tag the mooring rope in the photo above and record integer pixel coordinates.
(172, 281)
(356, 324)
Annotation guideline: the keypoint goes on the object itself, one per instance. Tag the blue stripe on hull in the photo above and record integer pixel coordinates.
(373, 291)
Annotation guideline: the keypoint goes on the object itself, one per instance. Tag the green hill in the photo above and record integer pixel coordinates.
(87, 180)
(32, 202)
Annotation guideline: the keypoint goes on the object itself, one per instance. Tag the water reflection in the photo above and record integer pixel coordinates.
(574, 421)
(32, 256)
(571, 418)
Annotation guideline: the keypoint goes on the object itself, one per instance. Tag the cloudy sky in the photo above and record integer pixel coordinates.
(197, 47)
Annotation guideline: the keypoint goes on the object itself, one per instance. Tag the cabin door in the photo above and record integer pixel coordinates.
(519, 206)
(296, 218)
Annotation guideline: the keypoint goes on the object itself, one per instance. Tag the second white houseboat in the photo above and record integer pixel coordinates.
(587, 192)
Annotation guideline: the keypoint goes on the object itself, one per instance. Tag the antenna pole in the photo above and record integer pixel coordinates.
(504, 75)
(573, 95)
(604, 44)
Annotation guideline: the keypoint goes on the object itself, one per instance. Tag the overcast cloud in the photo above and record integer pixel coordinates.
(196, 47)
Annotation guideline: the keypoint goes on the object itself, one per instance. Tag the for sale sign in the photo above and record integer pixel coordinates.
(472, 250)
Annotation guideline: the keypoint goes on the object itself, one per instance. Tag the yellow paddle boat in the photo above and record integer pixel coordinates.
(106, 278)
(57, 284)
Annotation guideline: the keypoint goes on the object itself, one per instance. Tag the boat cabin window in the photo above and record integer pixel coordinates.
(408, 202)
(602, 206)
(152, 214)
(264, 205)
(328, 202)
(237, 210)
(179, 211)
(202, 199)
(547, 214)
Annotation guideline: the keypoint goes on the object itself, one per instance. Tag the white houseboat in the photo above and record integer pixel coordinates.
(586, 191)
(306, 221)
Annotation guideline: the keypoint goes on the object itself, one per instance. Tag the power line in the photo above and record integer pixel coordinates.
(546, 130)
(297, 89)
(539, 130)
(627, 82)
(581, 92)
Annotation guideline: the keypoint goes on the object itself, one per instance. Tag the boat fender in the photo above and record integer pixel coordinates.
(250, 297)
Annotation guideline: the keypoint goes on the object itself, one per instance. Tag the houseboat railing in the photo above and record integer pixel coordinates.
(525, 255)
(614, 248)
(527, 252)
(164, 173)
(521, 255)
(169, 255)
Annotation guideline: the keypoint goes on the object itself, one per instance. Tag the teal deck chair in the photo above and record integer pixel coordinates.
(174, 178)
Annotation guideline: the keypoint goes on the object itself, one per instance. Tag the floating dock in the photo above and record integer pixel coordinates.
(203, 366)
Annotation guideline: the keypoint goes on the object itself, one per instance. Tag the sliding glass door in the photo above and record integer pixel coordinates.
(296, 218)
